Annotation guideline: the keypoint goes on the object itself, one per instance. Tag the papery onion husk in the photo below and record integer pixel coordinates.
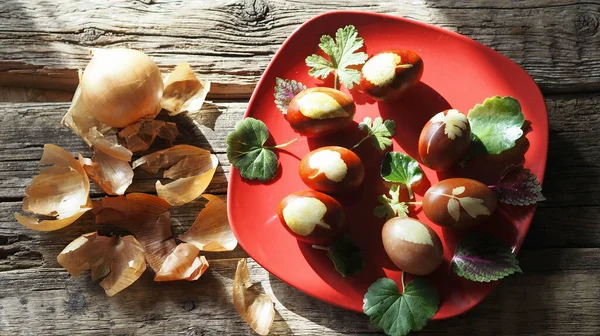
(60, 191)
(184, 91)
(182, 264)
(148, 219)
(254, 307)
(141, 134)
(109, 173)
(211, 230)
(191, 168)
(121, 86)
(92, 131)
(119, 262)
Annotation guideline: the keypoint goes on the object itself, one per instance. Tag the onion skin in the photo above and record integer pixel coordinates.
(121, 86)
(316, 179)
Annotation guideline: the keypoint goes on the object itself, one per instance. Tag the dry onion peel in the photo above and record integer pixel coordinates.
(211, 230)
(119, 262)
(141, 134)
(254, 307)
(182, 264)
(92, 131)
(191, 167)
(109, 173)
(60, 190)
(148, 219)
(184, 91)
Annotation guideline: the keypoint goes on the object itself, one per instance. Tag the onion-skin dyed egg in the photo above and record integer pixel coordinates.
(312, 217)
(411, 245)
(388, 74)
(332, 169)
(459, 203)
(320, 111)
(445, 140)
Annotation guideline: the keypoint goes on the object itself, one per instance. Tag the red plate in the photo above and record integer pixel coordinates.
(459, 73)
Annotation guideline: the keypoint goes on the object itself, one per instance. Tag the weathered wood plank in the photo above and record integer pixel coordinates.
(550, 298)
(231, 42)
(572, 177)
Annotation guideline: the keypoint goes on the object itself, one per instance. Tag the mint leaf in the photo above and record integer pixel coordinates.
(379, 131)
(398, 314)
(400, 168)
(246, 150)
(483, 258)
(497, 123)
(285, 91)
(346, 256)
(519, 186)
(391, 207)
(342, 54)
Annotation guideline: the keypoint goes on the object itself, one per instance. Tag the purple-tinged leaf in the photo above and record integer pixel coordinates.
(519, 186)
(482, 258)
(285, 91)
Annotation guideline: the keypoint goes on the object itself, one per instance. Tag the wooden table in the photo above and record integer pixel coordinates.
(43, 43)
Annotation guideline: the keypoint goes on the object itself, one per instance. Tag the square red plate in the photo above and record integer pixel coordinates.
(458, 73)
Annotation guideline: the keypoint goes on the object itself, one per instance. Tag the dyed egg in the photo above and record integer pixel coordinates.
(459, 203)
(388, 74)
(331, 169)
(312, 217)
(445, 140)
(411, 245)
(320, 111)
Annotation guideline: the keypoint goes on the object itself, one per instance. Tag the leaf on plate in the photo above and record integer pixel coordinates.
(346, 256)
(399, 314)
(391, 206)
(285, 91)
(247, 153)
(119, 262)
(519, 186)
(381, 132)
(496, 124)
(342, 54)
(400, 168)
(483, 258)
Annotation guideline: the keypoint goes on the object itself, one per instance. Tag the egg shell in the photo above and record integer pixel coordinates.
(322, 177)
(412, 246)
(459, 203)
(334, 217)
(312, 127)
(403, 78)
(445, 140)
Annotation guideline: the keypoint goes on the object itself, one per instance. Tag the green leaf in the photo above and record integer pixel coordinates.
(342, 54)
(346, 256)
(497, 123)
(246, 151)
(285, 91)
(401, 168)
(398, 314)
(391, 207)
(483, 258)
(379, 131)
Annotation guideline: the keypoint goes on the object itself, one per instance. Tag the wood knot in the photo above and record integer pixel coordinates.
(586, 24)
(255, 10)
(90, 34)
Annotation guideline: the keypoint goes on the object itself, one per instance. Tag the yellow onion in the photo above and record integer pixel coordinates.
(121, 86)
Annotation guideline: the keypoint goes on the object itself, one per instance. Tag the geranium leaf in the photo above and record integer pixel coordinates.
(483, 258)
(346, 256)
(496, 124)
(285, 91)
(400, 313)
(342, 54)
(519, 186)
(401, 168)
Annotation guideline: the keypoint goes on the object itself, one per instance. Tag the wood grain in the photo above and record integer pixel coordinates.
(42, 43)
